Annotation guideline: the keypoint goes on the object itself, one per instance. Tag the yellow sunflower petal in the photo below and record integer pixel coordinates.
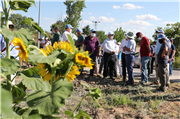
(55, 45)
(47, 77)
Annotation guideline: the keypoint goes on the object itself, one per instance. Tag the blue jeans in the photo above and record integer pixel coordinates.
(144, 62)
(93, 57)
(170, 68)
(129, 65)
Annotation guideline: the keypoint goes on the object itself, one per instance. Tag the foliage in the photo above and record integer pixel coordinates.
(101, 36)
(119, 34)
(17, 19)
(60, 24)
(51, 77)
(86, 30)
(73, 11)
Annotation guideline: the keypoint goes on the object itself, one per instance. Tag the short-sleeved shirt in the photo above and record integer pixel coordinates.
(143, 47)
(65, 37)
(56, 38)
(158, 45)
(80, 40)
(160, 59)
(131, 45)
(91, 45)
(173, 48)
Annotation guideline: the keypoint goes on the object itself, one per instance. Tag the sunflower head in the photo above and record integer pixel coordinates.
(23, 54)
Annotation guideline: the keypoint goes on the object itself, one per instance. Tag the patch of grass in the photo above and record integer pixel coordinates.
(154, 105)
(120, 100)
(176, 64)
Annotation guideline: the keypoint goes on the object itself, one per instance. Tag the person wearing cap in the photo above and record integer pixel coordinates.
(68, 31)
(80, 40)
(110, 48)
(163, 57)
(153, 56)
(57, 36)
(124, 44)
(92, 45)
(158, 46)
(129, 56)
(119, 60)
(171, 57)
(42, 41)
(145, 56)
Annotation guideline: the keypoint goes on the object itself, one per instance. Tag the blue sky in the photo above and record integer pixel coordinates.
(134, 16)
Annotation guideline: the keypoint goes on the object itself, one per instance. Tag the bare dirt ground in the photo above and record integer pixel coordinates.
(121, 101)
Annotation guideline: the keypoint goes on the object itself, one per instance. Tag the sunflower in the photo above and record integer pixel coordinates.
(66, 46)
(72, 74)
(45, 72)
(23, 54)
(83, 60)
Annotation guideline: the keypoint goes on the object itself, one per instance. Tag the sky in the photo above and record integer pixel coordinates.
(136, 16)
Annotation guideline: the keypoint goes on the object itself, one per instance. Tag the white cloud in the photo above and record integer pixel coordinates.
(169, 22)
(82, 13)
(147, 17)
(90, 13)
(102, 19)
(116, 7)
(52, 23)
(131, 6)
(49, 19)
(85, 22)
(1, 9)
(109, 13)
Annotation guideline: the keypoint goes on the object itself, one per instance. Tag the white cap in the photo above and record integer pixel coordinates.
(110, 33)
(42, 37)
(10, 23)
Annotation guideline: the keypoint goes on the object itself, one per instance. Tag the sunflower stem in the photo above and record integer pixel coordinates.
(2, 54)
(32, 46)
(53, 72)
(69, 68)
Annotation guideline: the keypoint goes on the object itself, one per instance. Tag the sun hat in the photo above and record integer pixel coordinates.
(10, 23)
(160, 31)
(110, 33)
(119, 43)
(138, 34)
(130, 34)
(78, 30)
(161, 36)
(69, 26)
(92, 30)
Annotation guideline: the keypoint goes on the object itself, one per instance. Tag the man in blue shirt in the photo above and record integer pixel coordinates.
(158, 46)
(171, 57)
(129, 56)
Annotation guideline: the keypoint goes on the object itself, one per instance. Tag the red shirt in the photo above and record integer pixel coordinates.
(143, 47)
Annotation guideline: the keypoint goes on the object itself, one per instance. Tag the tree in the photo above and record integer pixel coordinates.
(86, 30)
(60, 24)
(119, 34)
(101, 36)
(18, 18)
(73, 12)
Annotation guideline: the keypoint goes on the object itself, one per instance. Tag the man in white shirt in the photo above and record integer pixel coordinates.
(68, 31)
(129, 56)
(123, 44)
(110, 48)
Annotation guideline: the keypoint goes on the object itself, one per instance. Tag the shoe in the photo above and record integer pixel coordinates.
(160, 90)
(143, 82)
(124, 80)
(112, 78)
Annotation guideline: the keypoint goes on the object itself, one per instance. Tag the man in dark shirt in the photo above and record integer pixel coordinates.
(145, 53)
(171, 57)
(92, 45)
(80, 40)
(57, 36)
(162, 62)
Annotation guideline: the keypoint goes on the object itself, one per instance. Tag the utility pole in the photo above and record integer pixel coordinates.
(95, 23)
(39, 22)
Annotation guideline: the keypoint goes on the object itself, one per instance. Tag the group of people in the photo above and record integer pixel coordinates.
(112, 54)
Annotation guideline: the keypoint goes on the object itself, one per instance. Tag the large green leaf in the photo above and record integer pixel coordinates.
(44, 59)
(71, 41)
(21, 5)
(35, 83)
(17, 94)
(47, 102)
(35, 25)
(9, 66)
(32, 72)
(25, 34)
(81, 114)
(6, 103)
